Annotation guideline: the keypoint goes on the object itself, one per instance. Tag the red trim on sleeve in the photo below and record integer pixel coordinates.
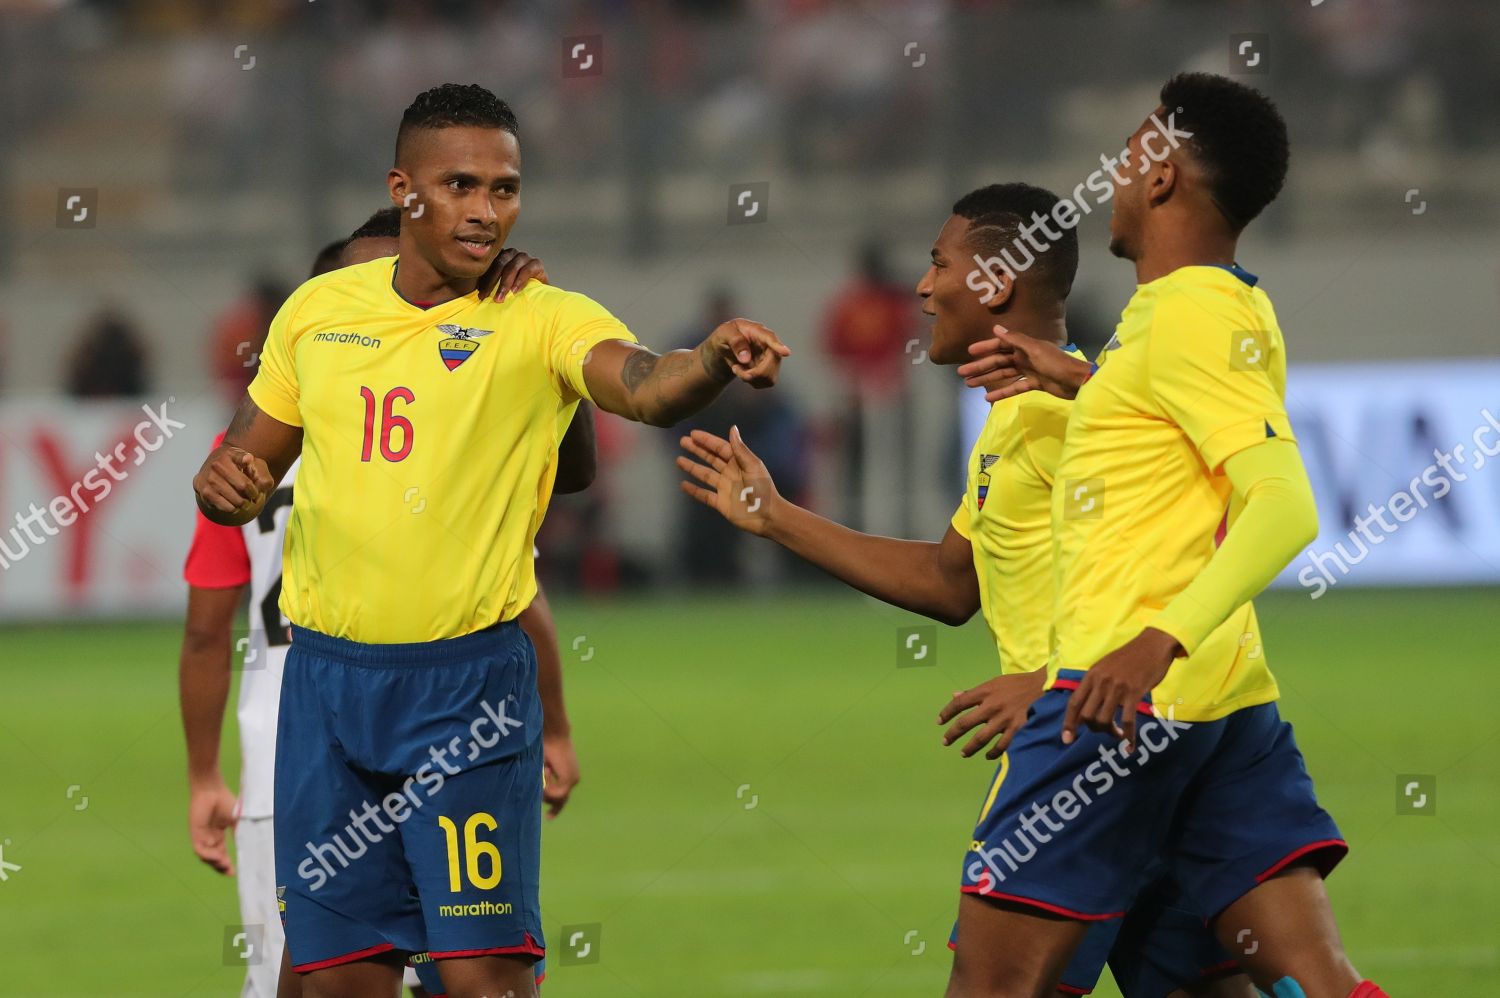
(217, 558)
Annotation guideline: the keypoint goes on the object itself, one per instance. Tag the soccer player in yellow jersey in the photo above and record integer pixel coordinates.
(996, 556)
(427, 418)
(1180, 495)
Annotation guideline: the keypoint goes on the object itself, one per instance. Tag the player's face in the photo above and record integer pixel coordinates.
(1129, 198)
(368, 248)
(959, 316)
(464, 189)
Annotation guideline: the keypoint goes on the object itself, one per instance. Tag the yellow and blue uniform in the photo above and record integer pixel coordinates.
(1006, 515)
(429, 448)
(1193, 380)
(409, 751)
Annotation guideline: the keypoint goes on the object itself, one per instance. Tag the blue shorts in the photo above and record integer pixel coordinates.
(408, 798)
(1080, 830)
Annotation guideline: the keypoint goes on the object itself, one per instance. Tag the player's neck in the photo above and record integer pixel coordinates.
(1163, 252)
(419, 284)
(1048, 325)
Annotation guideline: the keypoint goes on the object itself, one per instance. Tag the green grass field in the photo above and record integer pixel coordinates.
(840, 880)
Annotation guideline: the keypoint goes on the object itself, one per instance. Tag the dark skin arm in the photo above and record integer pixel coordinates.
(664, 389)
(203, 687)
(578, 454)
(558, 755)
(242, 472)
(934, 579)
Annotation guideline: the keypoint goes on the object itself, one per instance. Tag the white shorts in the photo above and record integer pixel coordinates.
(256, 872)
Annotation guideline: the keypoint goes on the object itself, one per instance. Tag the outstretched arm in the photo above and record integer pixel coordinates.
(242, 472)
(629, 380)
(936, 580)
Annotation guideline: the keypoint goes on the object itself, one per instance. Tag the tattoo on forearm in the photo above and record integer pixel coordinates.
(714, 366)
(244, 418)
(638, 367)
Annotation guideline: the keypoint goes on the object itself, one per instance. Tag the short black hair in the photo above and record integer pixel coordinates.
(327, 259)
(452, 105)
(1238, 135)
(996, 214)
(384, 224)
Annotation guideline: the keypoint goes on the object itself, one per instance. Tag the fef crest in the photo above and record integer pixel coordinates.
(458, 343)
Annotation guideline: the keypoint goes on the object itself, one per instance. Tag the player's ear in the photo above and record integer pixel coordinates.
(400, 186)
(1161, 181)
(1004, 286)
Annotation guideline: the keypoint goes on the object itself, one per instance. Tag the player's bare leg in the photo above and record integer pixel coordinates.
(489, 977)
(288, 984)
(1234, 986)
(372, 978)
(1032, 952)
(1285, 928)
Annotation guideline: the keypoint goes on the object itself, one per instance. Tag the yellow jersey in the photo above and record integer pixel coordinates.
(1006, 515)
(429, 448)
(1195, 373)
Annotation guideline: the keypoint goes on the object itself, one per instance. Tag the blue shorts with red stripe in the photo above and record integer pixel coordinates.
(1079, 830)
(408, 798)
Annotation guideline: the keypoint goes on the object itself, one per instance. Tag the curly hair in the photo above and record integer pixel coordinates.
(1237, 134)
(455, 104)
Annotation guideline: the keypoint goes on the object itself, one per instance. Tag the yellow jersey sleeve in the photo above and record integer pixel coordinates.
(275, 389)
(1217, 382)
(578, 324)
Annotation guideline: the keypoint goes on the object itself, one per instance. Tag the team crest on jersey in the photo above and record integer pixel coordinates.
(458, 343)
(281, 900)
(986, 461)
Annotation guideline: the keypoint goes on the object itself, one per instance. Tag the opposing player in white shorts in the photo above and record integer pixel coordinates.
(221, 563)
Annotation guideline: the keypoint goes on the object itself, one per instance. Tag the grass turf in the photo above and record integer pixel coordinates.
(765, 805)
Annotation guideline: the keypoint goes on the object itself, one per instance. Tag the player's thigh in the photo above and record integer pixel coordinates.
(378, 976)
(1003, 951)
(474, 849)
(255, 860)
(1284, 928)
(481, 976)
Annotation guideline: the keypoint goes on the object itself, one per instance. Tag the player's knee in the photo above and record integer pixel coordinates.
(975, 982)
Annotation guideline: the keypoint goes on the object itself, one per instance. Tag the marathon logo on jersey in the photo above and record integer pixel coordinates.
(458, 343)
(986, 461)
(355, 339)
